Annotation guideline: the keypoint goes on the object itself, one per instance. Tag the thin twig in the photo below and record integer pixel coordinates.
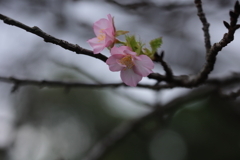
(206, 25)
(166, 67)
(48, 38)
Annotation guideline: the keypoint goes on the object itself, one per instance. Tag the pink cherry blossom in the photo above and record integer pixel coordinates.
(132, 67)
(105, 32)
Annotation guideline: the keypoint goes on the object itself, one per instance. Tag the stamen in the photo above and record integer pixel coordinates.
(127, 60)
(101, 36)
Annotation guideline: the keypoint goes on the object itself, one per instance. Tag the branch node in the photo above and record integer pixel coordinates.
(237, 7)
(237, 26)
(233, 15)
(226, 24)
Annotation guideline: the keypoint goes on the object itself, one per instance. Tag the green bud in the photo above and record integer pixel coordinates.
(120, 32)
(155, 44)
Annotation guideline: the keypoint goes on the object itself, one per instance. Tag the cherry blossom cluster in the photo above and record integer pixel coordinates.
(131, 59)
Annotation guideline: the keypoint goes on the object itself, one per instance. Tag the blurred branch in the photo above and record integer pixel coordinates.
(77, 69)
(228, 80)
(231, 95)
(45, 83)
(68, 85)
(4, 153)
(95, 80)
(48, 38)
(107, 144)
(17, 83)
(206, 25)
(233, 79)
(164, 6)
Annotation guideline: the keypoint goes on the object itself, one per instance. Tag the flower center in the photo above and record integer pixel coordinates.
(127, 60)
(101, 36)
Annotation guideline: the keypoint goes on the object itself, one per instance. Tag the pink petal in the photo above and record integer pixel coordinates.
(109, 39)
(143, 65)
(110, 18)
(129, 51)
(99, 25)
(109, 32)
(112, 61)
(96, 45)
(115, 59)
(115, 51)
(119, 50)
(129, 77)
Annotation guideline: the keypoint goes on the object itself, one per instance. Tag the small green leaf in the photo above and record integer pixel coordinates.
(131, 42)
(155, 44)
(120, 32)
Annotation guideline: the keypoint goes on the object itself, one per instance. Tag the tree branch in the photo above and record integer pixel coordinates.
(231, 95)
(211, 56)
(167, 69)
(48, 38)
(17, 83)
(176, 81)
(199, 78)
(234, 78)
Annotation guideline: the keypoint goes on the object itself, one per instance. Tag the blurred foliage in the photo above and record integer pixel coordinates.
(208, 128)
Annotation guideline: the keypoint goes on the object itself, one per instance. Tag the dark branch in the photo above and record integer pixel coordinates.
(167, 69)
(48, 38)
(201, 77)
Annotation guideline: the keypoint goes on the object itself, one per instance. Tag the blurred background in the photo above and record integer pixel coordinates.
(66, 123)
